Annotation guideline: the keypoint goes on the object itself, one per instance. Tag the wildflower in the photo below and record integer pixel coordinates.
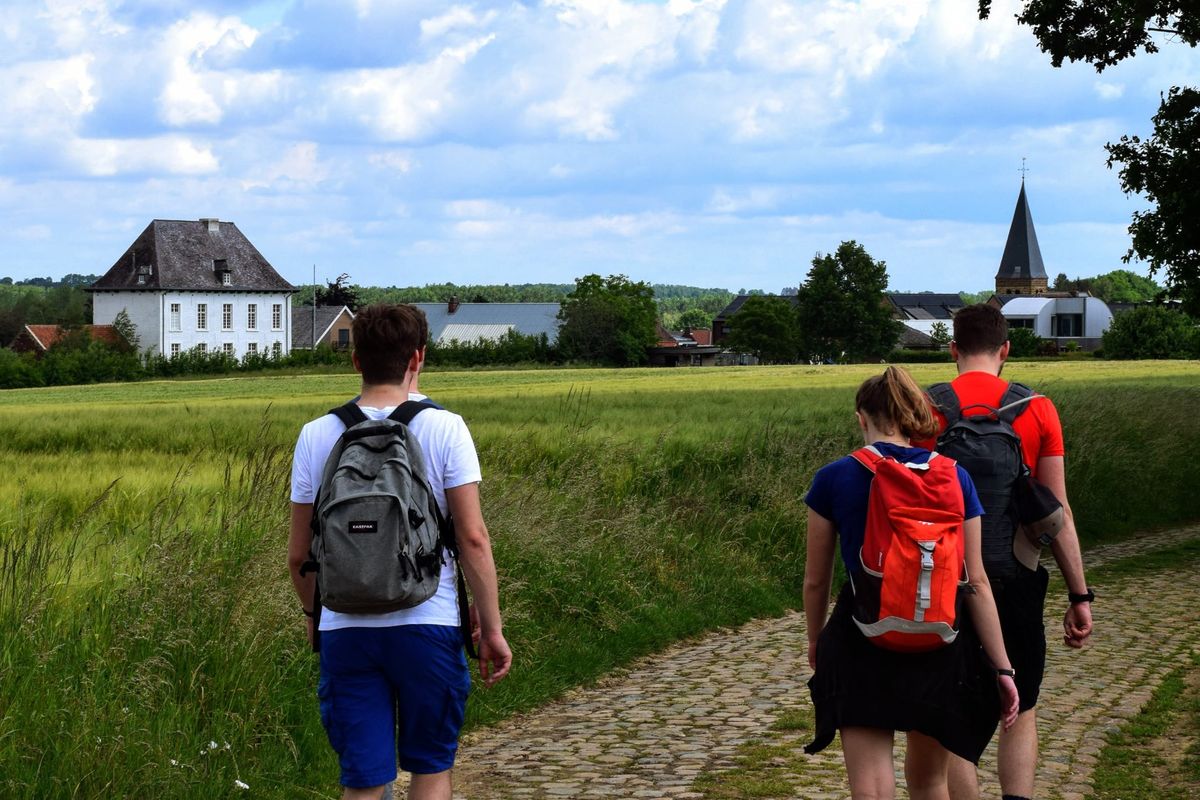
(241, 785)
(174, 763)
(227, 747)
(212, 745)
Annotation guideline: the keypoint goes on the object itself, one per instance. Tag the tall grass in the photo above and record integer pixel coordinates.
(150, 644)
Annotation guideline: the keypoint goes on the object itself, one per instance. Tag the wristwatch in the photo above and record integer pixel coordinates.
(1012, 673)
(1086, 597)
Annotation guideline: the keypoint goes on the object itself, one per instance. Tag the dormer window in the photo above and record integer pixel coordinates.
(143, 274)
(221, 268)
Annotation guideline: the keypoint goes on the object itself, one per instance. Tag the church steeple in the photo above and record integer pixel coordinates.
(1021, 268)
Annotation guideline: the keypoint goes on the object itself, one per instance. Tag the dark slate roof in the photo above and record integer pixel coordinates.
(736, 304)
(1022, 258)
(926, 305)
(302, 322)
(179, 255)
(526, 318)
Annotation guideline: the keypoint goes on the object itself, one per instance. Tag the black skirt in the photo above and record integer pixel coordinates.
(948, 694)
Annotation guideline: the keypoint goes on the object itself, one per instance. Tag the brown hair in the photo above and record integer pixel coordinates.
(895, 398)
(385, 338)
(980, 329)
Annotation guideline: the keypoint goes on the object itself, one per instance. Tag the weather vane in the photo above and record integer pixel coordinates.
(1023, 169)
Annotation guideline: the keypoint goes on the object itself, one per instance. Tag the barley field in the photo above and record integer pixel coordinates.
(150, 644)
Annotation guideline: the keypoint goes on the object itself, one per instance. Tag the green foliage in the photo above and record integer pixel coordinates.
(339, 293)
(767, 327)
(1152, 332)
(971, 298)
(1025, 343)
(940, 333)
(130, 341)
(1166, 169)
(22, 305)
(608, 321)
(692, 318)
(1123, 286)
(1104, 34)
(511, 348)
(918, 357)
(842, 311)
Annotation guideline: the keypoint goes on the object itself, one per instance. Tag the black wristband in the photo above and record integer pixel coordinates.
(1012, 673)
(308, 613)
(1086, 597)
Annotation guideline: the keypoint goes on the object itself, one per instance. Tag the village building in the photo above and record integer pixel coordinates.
(468, 323)
(188, 284)
(38, 339)
(690, 347)
(322, 326)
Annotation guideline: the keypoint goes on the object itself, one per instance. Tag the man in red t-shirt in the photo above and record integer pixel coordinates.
(980, 348)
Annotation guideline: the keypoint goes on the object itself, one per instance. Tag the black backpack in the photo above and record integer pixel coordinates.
(989, 450)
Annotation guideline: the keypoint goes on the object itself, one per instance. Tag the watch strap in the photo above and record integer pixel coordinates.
(1086, 597)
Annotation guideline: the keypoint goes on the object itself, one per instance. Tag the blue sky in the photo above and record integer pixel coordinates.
(704, 142)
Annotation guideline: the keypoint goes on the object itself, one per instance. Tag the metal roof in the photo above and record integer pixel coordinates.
(529, 319)
(1022, 258)
(469, 334)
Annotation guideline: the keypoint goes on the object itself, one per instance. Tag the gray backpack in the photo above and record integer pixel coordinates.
(377, 530)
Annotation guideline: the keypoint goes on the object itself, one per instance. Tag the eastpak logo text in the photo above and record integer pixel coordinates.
(364, 526)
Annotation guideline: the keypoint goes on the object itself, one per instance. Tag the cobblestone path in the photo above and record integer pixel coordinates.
(651, 730)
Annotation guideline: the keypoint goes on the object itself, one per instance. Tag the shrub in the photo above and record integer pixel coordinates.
(1152, 332)
(1025, 343)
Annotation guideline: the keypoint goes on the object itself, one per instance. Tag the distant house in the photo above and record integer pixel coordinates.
(473, 322)
(197, 284)
(332, 327)
(686, 348)
(38, 339)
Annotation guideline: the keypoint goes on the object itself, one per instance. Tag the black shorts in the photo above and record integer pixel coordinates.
(1020, 601)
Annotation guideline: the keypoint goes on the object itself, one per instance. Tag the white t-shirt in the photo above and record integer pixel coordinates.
(450, 461)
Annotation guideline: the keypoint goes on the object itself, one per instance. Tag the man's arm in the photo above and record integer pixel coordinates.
(299, 542)
(479, 568)
(1077, 623)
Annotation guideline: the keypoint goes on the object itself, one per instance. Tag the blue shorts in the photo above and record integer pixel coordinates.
(392, 692)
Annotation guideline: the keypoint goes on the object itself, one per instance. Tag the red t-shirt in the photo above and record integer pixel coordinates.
(1038, 426)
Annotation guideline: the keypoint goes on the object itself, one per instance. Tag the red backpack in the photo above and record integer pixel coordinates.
(906, 595)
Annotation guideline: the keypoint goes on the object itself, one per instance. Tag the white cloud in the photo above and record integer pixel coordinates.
(455, 17)
(43, 98)
(191, 93)
(298, 168)
(391, 161)
(1109, 91)
(175, 155)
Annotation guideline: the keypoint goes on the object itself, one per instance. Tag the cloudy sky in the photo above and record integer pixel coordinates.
(704, 142)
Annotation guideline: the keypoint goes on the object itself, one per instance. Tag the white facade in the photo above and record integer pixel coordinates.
(170, 322)
(1059, 318)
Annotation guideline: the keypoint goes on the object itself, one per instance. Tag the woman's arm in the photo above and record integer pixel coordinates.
(818, 578)
(987, 622)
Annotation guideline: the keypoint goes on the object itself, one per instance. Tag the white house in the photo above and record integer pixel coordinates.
(1081, 319)
(197, 284)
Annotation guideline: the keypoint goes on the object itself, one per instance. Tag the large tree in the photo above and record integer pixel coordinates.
(609, 320)
(338, 293)
(766, 326)
(1166, 167)
(842, 312)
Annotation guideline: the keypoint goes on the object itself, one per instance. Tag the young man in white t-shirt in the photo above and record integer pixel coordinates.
(410, 660)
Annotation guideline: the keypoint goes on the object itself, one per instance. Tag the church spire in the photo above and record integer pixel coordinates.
(1021, 268)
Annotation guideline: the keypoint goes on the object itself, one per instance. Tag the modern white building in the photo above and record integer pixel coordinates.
(1082, 319)
(197, 284)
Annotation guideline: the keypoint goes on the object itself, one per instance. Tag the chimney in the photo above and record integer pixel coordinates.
(452, 306)
(212, 223)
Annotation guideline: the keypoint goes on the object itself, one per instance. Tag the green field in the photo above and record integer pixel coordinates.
(145, 610)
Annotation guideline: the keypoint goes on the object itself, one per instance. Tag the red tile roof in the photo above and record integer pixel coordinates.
(49, 335)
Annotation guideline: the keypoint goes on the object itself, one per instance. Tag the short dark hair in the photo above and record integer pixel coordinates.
(385, 337)
(980, 329)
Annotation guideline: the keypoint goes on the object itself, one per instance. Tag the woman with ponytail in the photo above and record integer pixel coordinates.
(947, 699)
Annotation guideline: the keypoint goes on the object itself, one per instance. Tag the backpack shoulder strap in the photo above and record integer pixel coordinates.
(943, 396)
(350, 414)
(1014, 401)
(406, 411)
(868, 456)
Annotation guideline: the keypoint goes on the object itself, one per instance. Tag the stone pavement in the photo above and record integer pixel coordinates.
(651, 730)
